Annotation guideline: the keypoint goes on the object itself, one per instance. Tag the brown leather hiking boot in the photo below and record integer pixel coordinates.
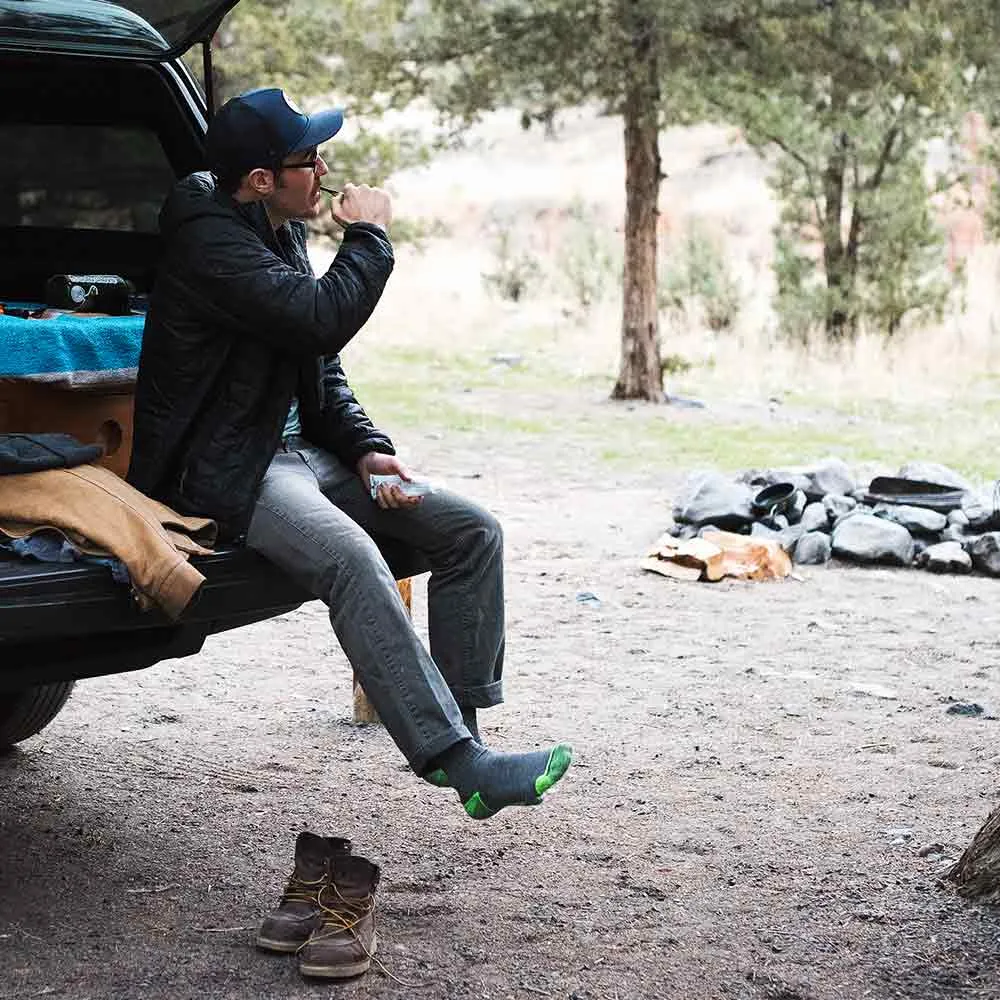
(344, 942)
(291, 922)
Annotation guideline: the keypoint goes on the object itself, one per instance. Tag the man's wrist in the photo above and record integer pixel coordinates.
(382, 230)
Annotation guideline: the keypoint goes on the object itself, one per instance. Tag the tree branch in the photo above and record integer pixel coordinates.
(875, 180)
(782, 144)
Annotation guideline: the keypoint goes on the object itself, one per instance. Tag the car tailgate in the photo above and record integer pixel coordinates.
(41, 601)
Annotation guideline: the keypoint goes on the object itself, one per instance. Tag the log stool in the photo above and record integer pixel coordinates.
(364, 711)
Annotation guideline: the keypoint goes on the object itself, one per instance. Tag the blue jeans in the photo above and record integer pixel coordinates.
(314, 519)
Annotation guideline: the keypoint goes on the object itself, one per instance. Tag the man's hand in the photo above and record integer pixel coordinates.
(361, 203)
(388, 498)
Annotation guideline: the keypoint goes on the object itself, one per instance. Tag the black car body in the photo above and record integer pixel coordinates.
(98, 116)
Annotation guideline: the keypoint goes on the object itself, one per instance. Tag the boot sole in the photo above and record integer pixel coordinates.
(338, 971)
(282, 947)
(335, 971)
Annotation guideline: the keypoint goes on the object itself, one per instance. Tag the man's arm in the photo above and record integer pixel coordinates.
(343, 426)
(240, 282)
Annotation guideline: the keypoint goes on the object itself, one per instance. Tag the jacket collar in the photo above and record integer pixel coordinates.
(255, 216)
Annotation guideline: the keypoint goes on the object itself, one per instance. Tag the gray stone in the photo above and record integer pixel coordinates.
(757, 479)
(837, 505)
(790, 536)
(985, 552)
(759, 530)
(704, 529)
(967, 540)
(865, 538)
(860, 494)
(934, 472)
(812, 549)
(918, 520)
(920, 546)
(815, 518)
(860, 509)
(967, 709)
(711, 497)
(981, 510)
(947, 557)
(953, 533)
(958, 518)
(832, 475)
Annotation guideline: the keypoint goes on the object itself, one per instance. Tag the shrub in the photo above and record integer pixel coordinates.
(517, 268)
(589, 257)
(694, 273)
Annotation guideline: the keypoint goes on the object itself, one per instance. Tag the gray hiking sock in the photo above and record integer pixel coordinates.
(436, 775)
(487, 780)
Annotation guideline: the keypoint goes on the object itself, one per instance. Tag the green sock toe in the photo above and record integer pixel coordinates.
(559, 762)
(438, 778)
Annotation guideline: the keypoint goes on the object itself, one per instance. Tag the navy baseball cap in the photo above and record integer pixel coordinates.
(261, 127)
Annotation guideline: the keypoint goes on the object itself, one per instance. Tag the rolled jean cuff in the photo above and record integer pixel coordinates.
(484, 696)
(420, 758)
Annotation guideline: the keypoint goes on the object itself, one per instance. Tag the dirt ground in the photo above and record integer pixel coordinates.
(767, 788)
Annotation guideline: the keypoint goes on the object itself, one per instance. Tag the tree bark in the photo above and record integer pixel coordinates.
(839, 260)
(836, 264)
(977, 872)
(640, 374)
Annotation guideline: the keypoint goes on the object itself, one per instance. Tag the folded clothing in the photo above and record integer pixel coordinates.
(75, 350)
(104, 516)
(35, 452)
(53, 546)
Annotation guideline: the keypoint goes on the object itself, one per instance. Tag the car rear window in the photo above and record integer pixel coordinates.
(82, 177)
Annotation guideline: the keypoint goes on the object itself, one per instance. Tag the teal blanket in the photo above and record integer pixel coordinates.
(72, 350)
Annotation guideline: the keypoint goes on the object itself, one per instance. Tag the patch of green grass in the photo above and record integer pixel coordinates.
(468, 394)
(730, 446)
(439, 401)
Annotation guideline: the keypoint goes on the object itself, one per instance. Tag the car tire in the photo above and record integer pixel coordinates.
(28, 711)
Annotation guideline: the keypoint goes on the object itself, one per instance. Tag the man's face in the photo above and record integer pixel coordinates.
(297, 193)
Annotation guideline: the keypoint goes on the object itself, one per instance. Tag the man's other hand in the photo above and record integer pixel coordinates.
(392, 497)
(361, 203)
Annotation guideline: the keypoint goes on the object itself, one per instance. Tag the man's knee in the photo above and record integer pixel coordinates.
(487, 534)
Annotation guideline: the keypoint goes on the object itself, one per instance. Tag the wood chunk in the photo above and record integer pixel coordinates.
(750, 558)
(665, 567)
(716, 555)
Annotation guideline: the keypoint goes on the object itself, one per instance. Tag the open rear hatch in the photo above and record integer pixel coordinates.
(131, 29)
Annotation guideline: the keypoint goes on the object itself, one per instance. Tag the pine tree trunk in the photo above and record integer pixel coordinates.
(840, 260)
(977, 872)
(640, 375)
(835, 259)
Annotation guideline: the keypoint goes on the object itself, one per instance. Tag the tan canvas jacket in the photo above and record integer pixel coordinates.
(100, 513)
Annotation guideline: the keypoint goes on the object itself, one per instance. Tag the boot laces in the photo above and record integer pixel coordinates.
(299, 890)
(342, 915)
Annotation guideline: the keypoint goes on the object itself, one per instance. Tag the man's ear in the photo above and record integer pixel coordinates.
(261, 181)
